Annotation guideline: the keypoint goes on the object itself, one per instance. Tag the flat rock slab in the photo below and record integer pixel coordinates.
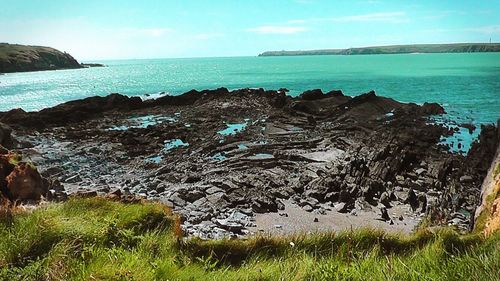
(298, 220)
(324, 156)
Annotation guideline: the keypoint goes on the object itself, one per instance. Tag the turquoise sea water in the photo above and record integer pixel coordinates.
(468, 85)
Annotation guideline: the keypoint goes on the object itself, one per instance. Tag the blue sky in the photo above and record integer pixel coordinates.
(121, 29)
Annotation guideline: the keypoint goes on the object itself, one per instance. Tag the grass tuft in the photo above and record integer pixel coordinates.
(99, 239)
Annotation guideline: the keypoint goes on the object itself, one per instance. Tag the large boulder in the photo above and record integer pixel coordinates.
(5, 169)
(431, 109)
(315, 94)
(20, 180)
(187, 98)
(25, 183)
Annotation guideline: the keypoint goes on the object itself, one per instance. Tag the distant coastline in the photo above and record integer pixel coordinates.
(394, 49)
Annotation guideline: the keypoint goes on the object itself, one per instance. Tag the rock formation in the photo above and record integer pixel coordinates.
(218, 157)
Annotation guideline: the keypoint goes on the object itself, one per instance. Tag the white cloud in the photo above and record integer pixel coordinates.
(436, 15)
(296, 21)
(490, 29)
(207, 36)
(274, 29)
(436, 30)
(151, 32)
(389, 17)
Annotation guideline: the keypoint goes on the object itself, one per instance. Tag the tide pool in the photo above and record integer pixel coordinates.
(467, 85)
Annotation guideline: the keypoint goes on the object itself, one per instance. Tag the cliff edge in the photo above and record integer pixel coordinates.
(394, 49)
(20, 58)
(488, 213)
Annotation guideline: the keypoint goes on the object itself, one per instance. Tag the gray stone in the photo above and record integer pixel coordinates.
(74, 179)
(307, 208)
(229, 225)
(342, 207)
(420, 171)
(161, 187)
(384, 214)
(466, 179)
(200, 203)
(213, 190)
(217, 199)
(177, 200)
(196, 217)
(385, 200)
(194, 195)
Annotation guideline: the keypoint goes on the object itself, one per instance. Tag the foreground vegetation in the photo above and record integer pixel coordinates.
(98, 239)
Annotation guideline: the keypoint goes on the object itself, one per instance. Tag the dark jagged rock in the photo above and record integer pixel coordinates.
(412, 200)
(334, 93)
(431, 109)
(483, 150)
(209, 153)
(6, 139)
(25, 183)
(385, 200)
(315, 94)
(384, 214)
(470, 127)
(73, 111)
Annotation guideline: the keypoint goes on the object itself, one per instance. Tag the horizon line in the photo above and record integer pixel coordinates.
(295, 50)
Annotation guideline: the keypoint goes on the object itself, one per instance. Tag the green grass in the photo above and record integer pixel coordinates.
(97, 239)
(497, 171)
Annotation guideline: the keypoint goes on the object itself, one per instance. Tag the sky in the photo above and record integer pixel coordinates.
(126, 29)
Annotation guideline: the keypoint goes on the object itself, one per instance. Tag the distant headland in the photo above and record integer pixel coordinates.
(395, 49)
(21, 58)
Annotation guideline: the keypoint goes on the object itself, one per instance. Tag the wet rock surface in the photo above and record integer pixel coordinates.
(219, 158)
(6, 139)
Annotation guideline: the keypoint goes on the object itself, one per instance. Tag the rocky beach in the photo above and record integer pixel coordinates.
(234, 163)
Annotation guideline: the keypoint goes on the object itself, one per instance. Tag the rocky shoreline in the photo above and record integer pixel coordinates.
(223, 158)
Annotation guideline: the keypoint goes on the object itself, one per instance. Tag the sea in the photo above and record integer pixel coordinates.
(466, 84)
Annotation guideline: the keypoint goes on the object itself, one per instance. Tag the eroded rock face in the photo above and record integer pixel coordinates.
(483, 150)
(5, 169)
(25, 183)
(18, 58)
(6, 136)
(20, 180)
(493, 222)
(73, 111)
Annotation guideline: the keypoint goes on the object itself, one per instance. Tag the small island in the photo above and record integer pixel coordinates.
(87, 65)
(22, 58)
(394, 49)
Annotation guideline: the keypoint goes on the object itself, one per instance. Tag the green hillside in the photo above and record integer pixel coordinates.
(19, 58)
(396, 49)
